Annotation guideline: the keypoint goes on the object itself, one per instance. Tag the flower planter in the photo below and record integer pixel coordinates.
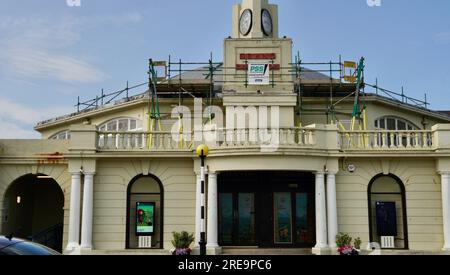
(182, 252)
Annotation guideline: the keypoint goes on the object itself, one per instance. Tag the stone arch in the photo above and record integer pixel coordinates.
(387, 194)
(145, 189)
(33, 208)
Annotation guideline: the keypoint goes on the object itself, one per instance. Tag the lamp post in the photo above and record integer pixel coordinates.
(202, 152)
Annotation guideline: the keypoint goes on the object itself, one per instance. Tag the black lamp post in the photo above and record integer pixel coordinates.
(202, 152)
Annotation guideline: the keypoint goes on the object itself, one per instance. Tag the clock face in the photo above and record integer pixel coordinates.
(245, 23)
(266, 22)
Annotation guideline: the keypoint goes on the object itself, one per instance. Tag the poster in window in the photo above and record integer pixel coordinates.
(283, 218)
(386, 219)
(145, 218)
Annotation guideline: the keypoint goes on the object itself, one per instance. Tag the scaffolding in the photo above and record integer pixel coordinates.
(330, 80)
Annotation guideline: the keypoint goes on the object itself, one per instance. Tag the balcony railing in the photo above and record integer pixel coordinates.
(227, 138)
(219, 139)
(271, 138)
(386, 140)
(143, 141)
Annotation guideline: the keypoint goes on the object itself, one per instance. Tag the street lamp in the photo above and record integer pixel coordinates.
(202, 152)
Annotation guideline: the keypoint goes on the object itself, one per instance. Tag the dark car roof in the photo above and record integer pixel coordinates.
(4, 241)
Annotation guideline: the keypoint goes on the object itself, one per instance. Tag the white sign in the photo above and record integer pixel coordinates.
(258, 74)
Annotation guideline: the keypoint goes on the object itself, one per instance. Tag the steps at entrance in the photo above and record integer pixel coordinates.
(265, 251)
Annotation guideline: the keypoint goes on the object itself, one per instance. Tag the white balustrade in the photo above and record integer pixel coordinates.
(386, 140)
(220, 138)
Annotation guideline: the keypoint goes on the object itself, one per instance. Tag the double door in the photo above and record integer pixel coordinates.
(275, 219)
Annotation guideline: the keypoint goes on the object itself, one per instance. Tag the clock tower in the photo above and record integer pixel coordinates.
(257, 63)
(255, 19)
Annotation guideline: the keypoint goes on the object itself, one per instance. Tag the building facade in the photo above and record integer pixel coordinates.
(286, 169)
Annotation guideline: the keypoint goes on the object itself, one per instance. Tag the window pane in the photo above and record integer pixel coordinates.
(283, 218)
(102, 128)
(123, 125)
(246, 220)
(302, 231)
(391, 124)
(376, 123)
(133, 124)
(401, 125)
(112, 126)
(382, 124)
(410, 127)
(226, 218)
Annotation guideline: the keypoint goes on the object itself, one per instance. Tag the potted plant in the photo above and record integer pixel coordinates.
(345, 245)
(182, 242)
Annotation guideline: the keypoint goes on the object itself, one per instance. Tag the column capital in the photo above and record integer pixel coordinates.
(319, 173)
(444, 173)
(332, 173)
(75, 174)
(89, 173)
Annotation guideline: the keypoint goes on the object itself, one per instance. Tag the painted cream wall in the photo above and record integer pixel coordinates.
(110, 198)
(423, 199)
(235, 79)
(10, 172)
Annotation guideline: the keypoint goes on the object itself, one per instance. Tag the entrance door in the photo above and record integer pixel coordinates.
(237, 219)
(266, 209)
(282, 213)
(292, 219)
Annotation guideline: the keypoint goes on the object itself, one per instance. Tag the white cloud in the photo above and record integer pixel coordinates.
(116, 19)
(14, 131)
(29, 62)
(37, 48)
(17, 120)
(12, 112)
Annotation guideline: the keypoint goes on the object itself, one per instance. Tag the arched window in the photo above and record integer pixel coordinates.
(63, 135)
(395, 124)
(387, 212)
(145, 194)
(121, 125)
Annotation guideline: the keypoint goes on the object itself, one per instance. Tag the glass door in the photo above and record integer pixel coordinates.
(226, 218)
(237, 219)
(246, 218)
(293, 219)
(282, 218)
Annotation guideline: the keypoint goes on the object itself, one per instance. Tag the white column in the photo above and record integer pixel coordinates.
(213, 221)
(332, 209)
(321, 215)
(88, 205)
(198, 209)
(74, 216)
(445, 182)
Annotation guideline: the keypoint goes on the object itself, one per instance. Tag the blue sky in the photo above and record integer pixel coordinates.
(51, 53)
